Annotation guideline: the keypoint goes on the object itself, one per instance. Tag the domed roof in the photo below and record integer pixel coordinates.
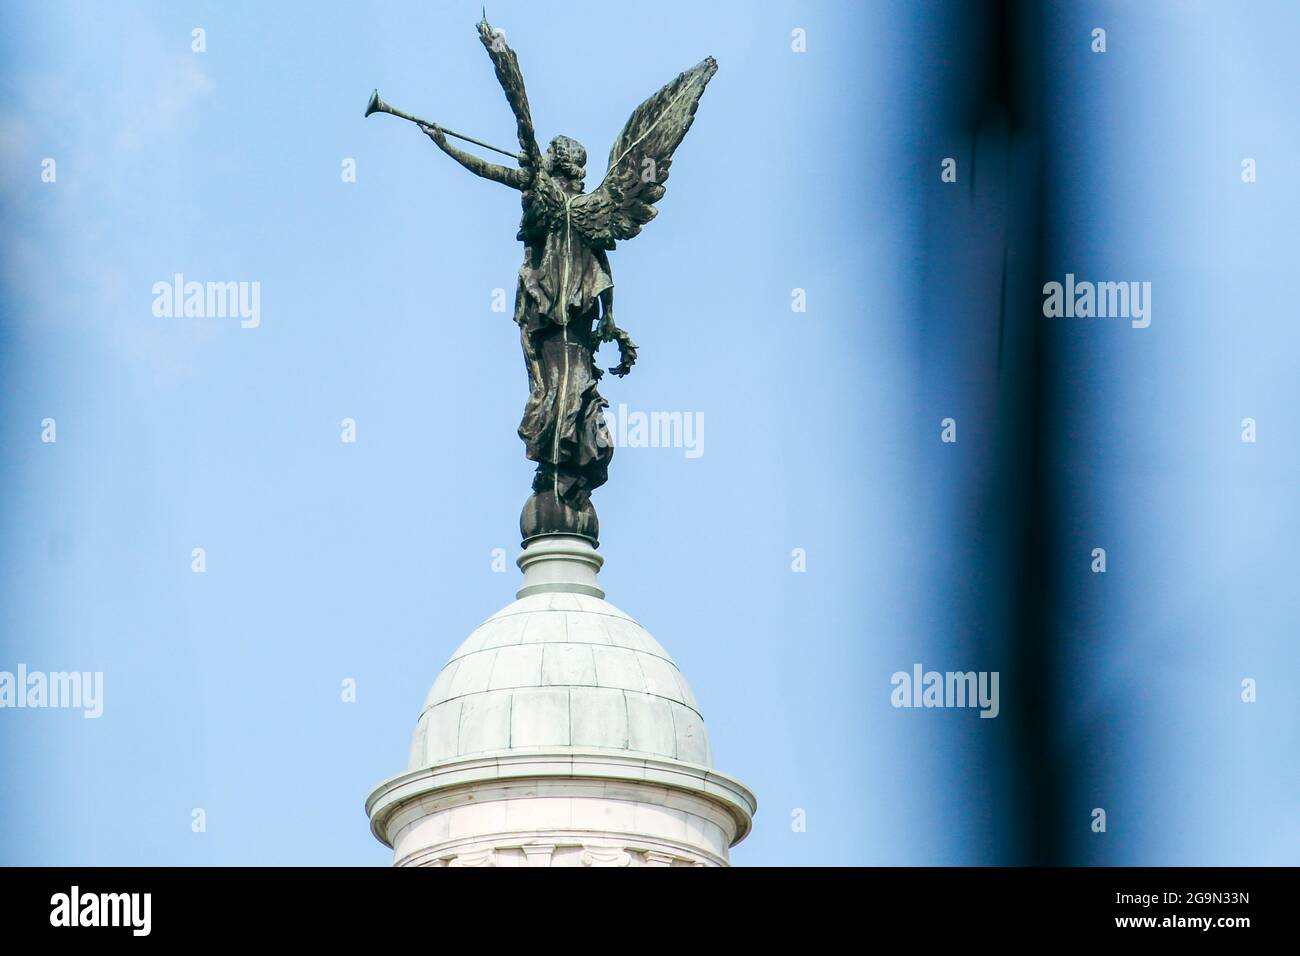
(560, 672)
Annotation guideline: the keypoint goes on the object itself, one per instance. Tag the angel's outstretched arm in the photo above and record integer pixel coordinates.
(512, 82)
(479, 167)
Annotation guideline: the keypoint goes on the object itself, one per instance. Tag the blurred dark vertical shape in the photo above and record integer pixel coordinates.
(984, 362)
(1018, 78)
(1007, 397)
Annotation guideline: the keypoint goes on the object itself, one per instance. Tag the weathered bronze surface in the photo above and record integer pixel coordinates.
(564, 303)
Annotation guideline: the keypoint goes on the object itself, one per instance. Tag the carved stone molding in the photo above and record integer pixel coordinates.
(477, 858)
(605, 856)
(539, 854)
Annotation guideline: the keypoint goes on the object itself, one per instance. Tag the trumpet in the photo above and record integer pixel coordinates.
(376, 105)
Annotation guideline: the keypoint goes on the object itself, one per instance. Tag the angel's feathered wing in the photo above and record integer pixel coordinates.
(639, 161)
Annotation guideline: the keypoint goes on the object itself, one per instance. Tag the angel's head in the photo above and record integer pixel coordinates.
(567, 157)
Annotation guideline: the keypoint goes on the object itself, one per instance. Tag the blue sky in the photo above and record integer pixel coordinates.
(373, 560)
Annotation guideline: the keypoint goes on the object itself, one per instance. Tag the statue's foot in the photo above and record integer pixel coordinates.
(544, 513)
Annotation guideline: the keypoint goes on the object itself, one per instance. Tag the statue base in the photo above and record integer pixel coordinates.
(546, 514)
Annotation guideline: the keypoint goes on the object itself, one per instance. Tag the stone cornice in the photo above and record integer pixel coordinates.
(704, 782)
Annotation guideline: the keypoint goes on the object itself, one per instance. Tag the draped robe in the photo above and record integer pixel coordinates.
(557, 305)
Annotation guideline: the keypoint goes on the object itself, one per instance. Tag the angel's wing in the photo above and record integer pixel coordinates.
(639, 161)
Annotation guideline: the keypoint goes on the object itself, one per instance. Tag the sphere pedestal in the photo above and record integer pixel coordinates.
(544, 513)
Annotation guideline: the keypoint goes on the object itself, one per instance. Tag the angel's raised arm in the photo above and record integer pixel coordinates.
(512, 82)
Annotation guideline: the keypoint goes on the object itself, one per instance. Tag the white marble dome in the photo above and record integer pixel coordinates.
(560, 733)
(560, 673)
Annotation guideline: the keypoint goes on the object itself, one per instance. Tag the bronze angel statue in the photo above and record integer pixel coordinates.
(564, 302)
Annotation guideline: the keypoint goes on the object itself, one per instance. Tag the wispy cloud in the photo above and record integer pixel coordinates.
(176, 89)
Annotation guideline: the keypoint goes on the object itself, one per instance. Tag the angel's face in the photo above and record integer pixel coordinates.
(567, 158)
